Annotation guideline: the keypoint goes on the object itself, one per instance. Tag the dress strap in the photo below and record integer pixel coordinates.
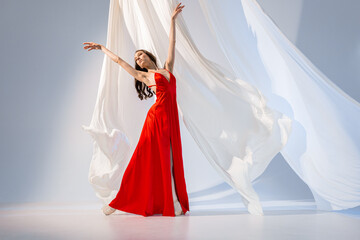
(169, 72)
(152, 85)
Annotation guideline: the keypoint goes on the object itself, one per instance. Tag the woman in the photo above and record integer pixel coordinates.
(147, 186)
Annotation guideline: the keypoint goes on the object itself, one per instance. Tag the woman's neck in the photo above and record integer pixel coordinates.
(153, 67)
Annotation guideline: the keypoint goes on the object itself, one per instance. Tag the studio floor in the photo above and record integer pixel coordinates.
(281, 220)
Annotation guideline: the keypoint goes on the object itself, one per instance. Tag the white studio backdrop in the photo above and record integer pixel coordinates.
(49, 156)
(238, 128)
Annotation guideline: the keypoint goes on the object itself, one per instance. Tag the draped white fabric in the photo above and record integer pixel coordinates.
(270, 100)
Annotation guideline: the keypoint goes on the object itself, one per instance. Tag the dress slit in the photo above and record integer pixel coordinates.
(175, 198)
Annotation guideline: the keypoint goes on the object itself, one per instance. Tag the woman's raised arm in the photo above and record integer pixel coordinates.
(169, 64)
(139, 75)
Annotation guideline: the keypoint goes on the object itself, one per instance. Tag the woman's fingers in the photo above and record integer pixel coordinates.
(177, 10)
(90, 46)
(87, 46)
(179, 7)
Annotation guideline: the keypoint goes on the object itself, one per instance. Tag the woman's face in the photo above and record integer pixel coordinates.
(142, 59)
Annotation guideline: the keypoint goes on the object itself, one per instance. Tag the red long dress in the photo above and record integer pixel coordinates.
(146, 184)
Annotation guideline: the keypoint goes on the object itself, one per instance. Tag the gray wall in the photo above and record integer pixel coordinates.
(48, 88)
(327, 32)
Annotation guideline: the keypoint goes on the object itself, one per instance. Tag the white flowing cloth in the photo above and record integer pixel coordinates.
(264, 98)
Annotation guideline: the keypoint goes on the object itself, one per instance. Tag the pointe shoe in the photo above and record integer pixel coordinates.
(107, 210)
(178, 209)
(179, 213)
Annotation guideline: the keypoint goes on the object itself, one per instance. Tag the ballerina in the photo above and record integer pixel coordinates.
(147, 188)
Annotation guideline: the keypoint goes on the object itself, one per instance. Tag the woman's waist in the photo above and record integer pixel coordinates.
(164, 104)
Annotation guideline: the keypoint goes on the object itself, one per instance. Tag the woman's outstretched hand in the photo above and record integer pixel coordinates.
(177, 10)
(91, 46)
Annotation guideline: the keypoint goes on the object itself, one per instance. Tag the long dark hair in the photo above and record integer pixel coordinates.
(140, 86)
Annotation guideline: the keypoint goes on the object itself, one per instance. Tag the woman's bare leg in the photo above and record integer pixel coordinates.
(177, 206)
